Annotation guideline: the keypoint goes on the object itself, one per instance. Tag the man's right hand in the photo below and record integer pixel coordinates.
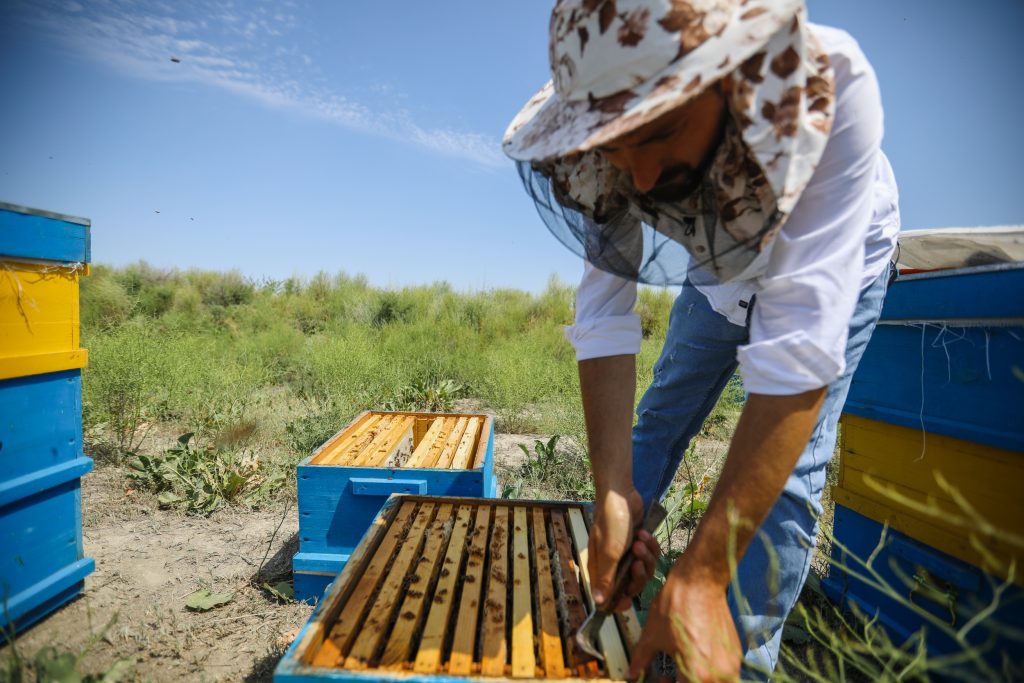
(616, 516)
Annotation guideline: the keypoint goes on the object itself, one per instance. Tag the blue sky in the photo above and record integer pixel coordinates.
(296, 137)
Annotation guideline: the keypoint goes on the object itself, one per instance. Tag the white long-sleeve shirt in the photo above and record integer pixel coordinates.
(838, 239)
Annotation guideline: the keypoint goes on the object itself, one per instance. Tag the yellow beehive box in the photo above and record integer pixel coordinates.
(42, 256)
(891, 475)
(39, 317)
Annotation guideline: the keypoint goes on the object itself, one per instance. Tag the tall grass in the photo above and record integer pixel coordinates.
(201, 351)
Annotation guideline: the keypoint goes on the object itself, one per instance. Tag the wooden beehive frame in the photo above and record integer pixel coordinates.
(409, 440)
(449, 587)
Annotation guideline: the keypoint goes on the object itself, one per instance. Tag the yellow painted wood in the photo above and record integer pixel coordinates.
(464, 639)
(465, 450)
(523, 660)
(481, 443)
(344, 439)
(39, 310)
(428, 657)
(444, 460)
(432, 455)
(42, 363)
(547, 606)
(379, 617)
(399, 645)
(493, 649)
(887, 471)
(989, 478)
(425, 443)
(877, 455)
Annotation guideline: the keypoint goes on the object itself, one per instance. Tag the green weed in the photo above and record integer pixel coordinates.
(202, 481)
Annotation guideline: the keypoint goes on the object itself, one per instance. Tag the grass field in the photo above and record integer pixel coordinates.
(205, 389)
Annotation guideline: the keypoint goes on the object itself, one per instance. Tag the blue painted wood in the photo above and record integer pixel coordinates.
(923, 370)
(363, 486)
(897, 563)
(42, 598)
(26, 485)
(994, 292)
(41, 534)
(40, 422)
(33, 234)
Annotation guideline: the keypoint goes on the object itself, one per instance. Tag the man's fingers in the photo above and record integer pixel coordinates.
(602, 572)
(643, 553)
(650, 541)
(638, 577)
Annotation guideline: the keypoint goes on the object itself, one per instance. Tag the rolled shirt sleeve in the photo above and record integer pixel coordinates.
(606, 324)
(807, 294)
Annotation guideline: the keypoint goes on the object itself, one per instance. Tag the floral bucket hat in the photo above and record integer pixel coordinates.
(617, 65)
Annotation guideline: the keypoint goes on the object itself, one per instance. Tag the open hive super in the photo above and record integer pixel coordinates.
(460, 587)
(408, 440)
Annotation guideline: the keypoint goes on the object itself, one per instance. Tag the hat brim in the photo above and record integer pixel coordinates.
(550, 126)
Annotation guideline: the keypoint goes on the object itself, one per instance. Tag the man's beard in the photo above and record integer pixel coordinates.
(674, 184)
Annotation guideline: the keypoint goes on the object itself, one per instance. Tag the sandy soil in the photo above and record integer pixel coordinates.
(147, 562)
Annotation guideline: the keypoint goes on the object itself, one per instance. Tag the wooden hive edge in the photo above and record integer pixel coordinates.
(328, 611)
(476, 461)
(338, 436)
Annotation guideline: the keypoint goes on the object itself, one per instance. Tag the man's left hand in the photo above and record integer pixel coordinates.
(691, 622)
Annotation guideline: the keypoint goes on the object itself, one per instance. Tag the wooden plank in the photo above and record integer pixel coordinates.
(344, 630)
(464, 640)
(384, 443)
(481, 447)
(465, 450)
(523, 659)
(550, 639)
(426, 443)
(345, 457)
(396, 455)
(428, 657)
(379, 617)
(425, 572)
(494, 649)
(430, 459)
(342, 441)
(572, 597)
(444, 460)
(611, 643)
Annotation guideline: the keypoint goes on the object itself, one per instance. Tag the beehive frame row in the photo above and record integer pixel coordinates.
(459, 587)
(408, 440)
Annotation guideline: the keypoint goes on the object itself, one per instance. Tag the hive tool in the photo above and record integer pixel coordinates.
(586, 637)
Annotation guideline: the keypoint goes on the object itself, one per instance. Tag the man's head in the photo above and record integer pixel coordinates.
(619, 65)
(647, 98)
(662, 158)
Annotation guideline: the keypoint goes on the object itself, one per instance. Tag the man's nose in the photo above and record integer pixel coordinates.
(645, 174)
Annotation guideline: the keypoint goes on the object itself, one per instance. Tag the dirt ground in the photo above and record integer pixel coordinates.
(148, 561)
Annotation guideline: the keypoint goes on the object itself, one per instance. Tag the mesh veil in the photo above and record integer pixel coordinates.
(688, 241)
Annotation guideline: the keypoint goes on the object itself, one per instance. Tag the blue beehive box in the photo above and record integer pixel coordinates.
(343, 484)
(926, 588)
(42, 563)
(947, 356)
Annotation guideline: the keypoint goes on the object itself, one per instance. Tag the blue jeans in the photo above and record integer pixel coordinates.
(697, 360)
